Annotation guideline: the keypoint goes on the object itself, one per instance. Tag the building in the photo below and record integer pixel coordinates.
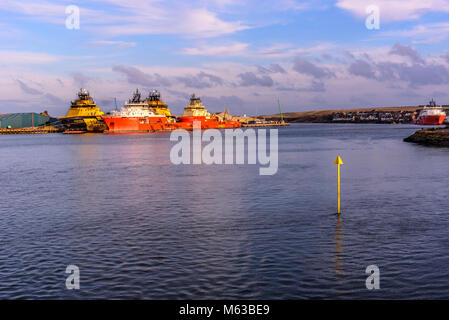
(24, 120)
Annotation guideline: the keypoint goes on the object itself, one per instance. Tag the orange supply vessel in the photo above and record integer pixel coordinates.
(432, 114)
(196, 111)
(135, 116)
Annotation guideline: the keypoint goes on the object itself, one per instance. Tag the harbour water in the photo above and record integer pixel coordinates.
(138, 226)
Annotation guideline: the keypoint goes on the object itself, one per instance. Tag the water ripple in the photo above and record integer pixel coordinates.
(141, 228)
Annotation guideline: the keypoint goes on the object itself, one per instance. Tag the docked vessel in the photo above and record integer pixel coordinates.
(432, 114)
(83, 115)
(196, 111)
(135, 116)
(158, 106)
(446, 120)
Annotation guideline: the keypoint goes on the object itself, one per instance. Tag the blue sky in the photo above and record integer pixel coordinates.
(312, 54)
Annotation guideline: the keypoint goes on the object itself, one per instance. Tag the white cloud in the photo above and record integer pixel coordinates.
(216, 77)
(206, 23)
(395, 10)
(233, 49)
(423, 33)
(279, 51)
(25, 57)
(297, 91)
(238, 49)
(35, 8)
(134, 17)
(46, 11)
(115, 44)
(199, 23)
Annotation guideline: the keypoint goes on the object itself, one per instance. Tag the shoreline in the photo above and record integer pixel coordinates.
(404, 114)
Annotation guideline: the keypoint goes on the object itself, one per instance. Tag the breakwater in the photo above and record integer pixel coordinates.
(432, 137)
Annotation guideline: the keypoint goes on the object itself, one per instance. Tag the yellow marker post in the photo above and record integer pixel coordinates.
(338, 162)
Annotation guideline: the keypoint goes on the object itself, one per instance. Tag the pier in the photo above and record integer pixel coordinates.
(265, 124)
(35, 130)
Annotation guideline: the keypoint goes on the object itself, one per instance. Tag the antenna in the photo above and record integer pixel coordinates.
(115, 101)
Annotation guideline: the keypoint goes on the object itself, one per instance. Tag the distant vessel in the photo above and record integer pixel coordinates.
(432, 114)
(83, 115)
(135, 116)
(196, 111)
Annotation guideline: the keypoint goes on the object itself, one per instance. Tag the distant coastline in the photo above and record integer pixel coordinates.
(405, 114)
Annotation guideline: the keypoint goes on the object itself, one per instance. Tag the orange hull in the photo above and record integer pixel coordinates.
(431, 120)
(206, 123)
(150, 124)
(136, 124)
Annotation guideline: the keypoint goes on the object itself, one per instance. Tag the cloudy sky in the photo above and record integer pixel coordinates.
(244, 55)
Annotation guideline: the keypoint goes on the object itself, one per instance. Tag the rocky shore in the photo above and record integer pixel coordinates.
(431, 137)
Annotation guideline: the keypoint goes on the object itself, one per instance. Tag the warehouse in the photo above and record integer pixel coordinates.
(24, 120)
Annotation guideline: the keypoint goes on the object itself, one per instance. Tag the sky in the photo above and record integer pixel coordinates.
(240, 55)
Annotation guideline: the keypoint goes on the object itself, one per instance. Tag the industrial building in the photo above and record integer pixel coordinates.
(24, 120)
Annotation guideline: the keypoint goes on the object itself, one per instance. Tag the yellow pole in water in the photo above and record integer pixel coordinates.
(338, 178)
(338, 162)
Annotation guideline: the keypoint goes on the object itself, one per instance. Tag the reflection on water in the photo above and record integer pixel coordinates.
(138, 226)
(338, 250)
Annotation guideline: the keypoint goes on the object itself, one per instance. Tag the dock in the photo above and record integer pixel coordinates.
(265, 124)
(32, 130)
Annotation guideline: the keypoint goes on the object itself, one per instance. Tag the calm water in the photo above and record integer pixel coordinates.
(139, 227)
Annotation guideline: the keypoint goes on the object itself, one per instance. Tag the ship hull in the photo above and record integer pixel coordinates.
(206, 123)
(431, 120)
(83, 124)
(83, 115)
(135, 124)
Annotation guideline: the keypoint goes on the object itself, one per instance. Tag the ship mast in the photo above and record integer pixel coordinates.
(280, 111)
(136, 97)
